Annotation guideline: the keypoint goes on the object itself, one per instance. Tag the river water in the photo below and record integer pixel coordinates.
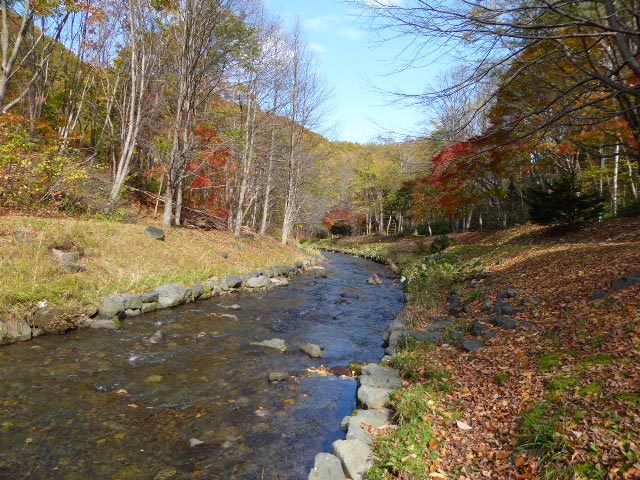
(110, 405)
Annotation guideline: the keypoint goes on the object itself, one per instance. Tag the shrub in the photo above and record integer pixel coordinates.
(563, 202)
(441, 243)
(631, 210)
(441, 227)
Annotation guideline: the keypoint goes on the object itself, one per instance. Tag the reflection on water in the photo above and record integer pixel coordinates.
(104, 404)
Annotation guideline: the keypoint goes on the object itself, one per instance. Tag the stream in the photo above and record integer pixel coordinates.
(110, 405)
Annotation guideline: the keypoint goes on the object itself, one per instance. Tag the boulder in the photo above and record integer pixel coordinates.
(132, 312)
(326, 467)
(278, 376)
(375, 418)
(479, 329)
(510, 292)
(261, 281)
(15, 331)
(106, 324)
(472, 345)
(503, 322)
(504, 308)
(132, 302)
(279, 282)
(112, 305)
(149, 307)
(487, 305)
(275, 343)
(198, 290)
(233, 281)
(150, 297)
(356, 457)
(374, 375)
(373, 397)
(599, 295)
(625, 282)
(66, 257)
(171, 295)
(311, 349)
(394, 268)
(155, 233)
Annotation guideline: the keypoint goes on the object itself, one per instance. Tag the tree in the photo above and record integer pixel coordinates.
(563, 202)
(598, 39)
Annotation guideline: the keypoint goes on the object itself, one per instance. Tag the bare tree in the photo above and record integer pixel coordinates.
(599, 39)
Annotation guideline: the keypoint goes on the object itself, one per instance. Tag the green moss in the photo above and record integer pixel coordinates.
(589, 471)
(599, 359)
(501, 378)
(591, 389)
(563, 383)
(550, 360)
(632, 397)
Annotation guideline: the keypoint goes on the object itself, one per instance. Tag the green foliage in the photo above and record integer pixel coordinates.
(440, 227)
(550, 360)
(434, 275)
(563, 202)
(630, 210)
(540, 431)
(441, 243)
(34, 172)
(407, 452)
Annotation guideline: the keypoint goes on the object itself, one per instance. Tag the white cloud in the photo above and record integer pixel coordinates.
(351, 34)
(317, 47)
(322, 23)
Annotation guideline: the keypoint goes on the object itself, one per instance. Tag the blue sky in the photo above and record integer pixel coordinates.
(351, 60)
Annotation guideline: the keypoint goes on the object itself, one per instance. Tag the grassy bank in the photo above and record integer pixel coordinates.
(556, 398)
(119, 258)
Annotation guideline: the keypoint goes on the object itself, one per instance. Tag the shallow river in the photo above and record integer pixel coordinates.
(109, 405)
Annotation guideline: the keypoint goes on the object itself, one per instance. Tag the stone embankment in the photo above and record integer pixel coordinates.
(114, 308)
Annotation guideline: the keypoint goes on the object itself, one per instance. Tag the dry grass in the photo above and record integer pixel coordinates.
(120, 258)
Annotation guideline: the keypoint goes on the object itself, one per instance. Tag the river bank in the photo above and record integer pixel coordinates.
(59, 271)
(521, 355)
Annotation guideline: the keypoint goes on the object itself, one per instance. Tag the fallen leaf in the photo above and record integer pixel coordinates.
(462, 425)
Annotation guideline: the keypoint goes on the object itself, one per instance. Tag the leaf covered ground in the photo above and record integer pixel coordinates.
(559, 396)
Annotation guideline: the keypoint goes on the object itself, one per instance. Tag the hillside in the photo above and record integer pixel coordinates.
(115, 258)
(552, 390)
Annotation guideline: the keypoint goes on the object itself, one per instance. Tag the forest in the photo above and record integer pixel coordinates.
(205, 113)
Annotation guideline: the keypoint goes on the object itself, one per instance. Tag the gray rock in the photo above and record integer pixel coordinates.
(157, 337)
(445, 324)
(599, 295)
(132, 312)
(372, 397)
(279, 282)
(261, 281)
(171, 295)
(434, 336)
(356, 457)
(503, 322)
(480, 330)
(233, 281)
(66, 257)
(211, 284)
(91, 312)
(394, 268)
(17, 331)
(374, 375)
(194, 442)
(625, 282)
(275, 343)
(510, 292)
(375, 280)
(472, 345)
(224, 254)
(26, 237)
(344, 424)
(112, 305)
(326, 467)
(150, 297)
(278, 376)
(390, 351)
(36, 332)
(198, 290)
(375, 418)
(132, 302)
(487, 305)
(397, 324)
(154, 232)
(504, 308)
(106, 324)
(311, 349)
(149, 307)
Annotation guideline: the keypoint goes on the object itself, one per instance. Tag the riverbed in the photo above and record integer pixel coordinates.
(112, 405)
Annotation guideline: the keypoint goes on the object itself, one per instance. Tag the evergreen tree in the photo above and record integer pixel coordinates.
(563, 202)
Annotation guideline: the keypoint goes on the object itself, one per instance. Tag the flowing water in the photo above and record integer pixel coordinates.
(110, 405)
